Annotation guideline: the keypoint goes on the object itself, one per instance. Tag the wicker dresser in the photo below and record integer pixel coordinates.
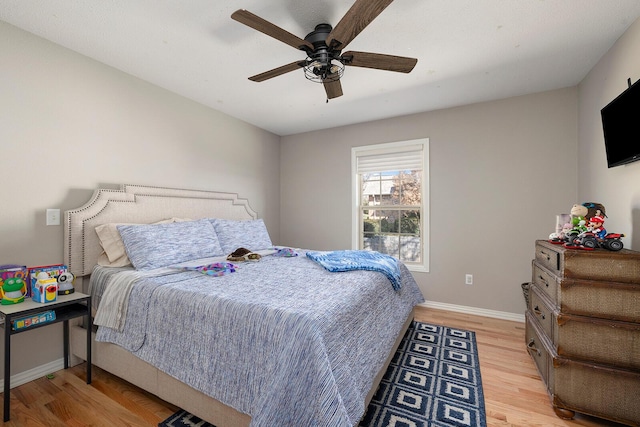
(583, 330)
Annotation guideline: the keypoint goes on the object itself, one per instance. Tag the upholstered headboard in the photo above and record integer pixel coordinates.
(141, 205)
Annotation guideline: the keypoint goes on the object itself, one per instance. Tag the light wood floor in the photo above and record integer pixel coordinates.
(514, 393)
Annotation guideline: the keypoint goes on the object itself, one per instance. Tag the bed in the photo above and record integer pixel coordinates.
(280, 341)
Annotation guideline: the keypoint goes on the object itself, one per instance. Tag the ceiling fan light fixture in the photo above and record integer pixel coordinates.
(320, 72)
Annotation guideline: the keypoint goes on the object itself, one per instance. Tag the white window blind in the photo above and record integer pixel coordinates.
(383, 160)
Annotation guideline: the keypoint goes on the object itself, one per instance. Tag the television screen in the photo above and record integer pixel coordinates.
(621, 126)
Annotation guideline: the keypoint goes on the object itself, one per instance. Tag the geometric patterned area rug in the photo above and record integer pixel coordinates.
(432, 381)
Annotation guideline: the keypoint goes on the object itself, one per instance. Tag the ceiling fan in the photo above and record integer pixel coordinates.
(325, 61)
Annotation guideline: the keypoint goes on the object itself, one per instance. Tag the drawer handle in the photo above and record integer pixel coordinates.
(532, 347)
(546, 254)
(537, 311)
(543, 280)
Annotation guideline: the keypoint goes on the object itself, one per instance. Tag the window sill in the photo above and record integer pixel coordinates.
(417, 268)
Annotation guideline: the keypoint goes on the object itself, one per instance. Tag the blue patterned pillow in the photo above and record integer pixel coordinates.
(250, 234)
(152, 246)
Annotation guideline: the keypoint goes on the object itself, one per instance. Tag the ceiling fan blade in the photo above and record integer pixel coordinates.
(277, 71)
(254, 21)
(360, 15)
(401, 64)
(332, 87)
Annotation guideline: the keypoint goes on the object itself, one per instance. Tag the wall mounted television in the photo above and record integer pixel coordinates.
(621, 126)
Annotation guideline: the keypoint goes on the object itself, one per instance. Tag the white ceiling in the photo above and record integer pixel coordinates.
(468, 51)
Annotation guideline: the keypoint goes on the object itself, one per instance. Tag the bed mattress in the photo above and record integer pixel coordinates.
(282, 339)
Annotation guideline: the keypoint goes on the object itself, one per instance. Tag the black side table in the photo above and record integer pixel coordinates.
(66, 307)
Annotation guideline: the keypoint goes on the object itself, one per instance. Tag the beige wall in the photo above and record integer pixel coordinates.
(500, 172)
(69, 124)
(617, 188)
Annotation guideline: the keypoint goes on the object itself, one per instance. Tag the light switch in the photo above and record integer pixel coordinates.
(53, 216)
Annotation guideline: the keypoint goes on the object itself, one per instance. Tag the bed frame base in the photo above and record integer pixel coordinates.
(121, 363)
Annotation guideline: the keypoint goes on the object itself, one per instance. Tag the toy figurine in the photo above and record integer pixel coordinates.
(586, 230)
(45, 289)
(559, 237)
(13, 291)
(593, 235)
(588, 210)
(595, 226)
(578, 225)
(594, 209)
(65, 283)
(580, 216)
(588, 241)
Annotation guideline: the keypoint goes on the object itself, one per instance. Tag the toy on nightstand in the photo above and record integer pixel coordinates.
(65, 283)
(13, 291)
(46, 289)
(10, 271)
(52, 271)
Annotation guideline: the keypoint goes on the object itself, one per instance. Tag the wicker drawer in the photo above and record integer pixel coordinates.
(545, 280)
(603, 299)
(549, 256)
(602, 341)
(588, 339)
(600, 264)
(589, 388)
(606, 300)
(536, 349)
(542, 311)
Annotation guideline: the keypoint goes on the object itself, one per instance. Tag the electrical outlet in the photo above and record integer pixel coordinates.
(53, 216)
(468, 279)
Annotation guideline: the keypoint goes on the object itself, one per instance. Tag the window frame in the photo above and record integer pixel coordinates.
(357, 208)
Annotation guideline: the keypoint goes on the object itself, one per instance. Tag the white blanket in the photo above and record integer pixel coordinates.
(112, 311)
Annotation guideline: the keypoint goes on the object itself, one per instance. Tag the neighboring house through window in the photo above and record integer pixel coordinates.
(390, 202)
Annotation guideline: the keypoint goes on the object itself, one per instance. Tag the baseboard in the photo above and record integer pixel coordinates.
(516, 317)
(34, 373)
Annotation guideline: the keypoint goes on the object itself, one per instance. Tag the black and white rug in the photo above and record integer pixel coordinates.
(433, 381)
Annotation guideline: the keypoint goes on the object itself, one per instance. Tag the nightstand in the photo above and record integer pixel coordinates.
(66, 307)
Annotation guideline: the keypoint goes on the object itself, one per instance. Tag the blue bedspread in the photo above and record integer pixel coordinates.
(282, 339)
(350, 260)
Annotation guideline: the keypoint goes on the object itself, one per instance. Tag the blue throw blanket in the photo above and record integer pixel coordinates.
(349, 260)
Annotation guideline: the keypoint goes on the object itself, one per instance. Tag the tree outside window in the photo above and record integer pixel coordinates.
(391, 213)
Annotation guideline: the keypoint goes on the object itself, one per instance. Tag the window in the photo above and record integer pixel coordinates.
(390, 183)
